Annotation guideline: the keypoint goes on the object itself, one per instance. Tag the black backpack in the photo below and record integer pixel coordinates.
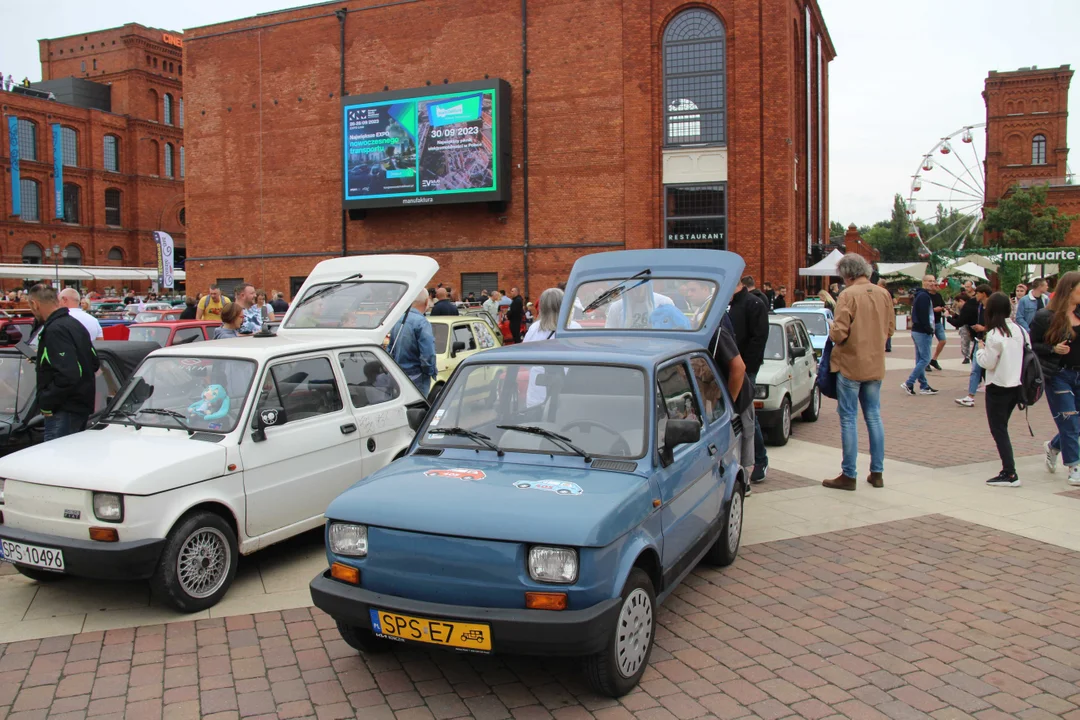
(1032, 382)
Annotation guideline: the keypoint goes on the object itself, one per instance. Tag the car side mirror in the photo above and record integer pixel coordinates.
(415, 417)
(10, 336)
(797, 352)
(681, 432)
(266, 418)
(457, 347)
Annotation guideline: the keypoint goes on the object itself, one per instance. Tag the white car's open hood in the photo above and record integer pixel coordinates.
(118, 459)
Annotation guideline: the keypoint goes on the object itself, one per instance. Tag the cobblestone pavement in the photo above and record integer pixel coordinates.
(931, 617)
(780, 480)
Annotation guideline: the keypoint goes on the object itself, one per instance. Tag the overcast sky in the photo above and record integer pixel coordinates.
(906, 74)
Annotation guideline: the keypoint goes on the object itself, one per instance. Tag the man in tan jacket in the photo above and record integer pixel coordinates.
(864, 321)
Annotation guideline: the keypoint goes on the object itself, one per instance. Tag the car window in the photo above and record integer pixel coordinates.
(712, 397)
(804, 337)
(442, 334)
(17, 384)
(303, 388)
(157, 334)
(188, 335)
(678, 393)
(106, 385)
(774, 346)
(483, 335)
(462, 334)
(792, 336)
(370, 383)
(815, 323)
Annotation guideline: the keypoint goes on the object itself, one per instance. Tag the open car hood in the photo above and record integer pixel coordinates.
(384, 274)
(721, 269)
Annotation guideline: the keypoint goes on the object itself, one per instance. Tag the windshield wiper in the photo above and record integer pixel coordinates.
(471, 434)
(130, 417)
(561, 439)
(333, 287)
(611, 294)
(167, 413)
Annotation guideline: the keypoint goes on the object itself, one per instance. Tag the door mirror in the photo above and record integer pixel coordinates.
(457, 347)
(141, 392)
(797, 352)
(266, 418)
(10, 335)
(415, 416)
(681, 432)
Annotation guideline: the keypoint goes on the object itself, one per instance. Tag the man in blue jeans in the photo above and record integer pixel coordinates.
(922, 334)
(864, 321)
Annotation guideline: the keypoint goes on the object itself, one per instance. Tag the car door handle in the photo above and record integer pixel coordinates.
(348, 428)
(712, 449)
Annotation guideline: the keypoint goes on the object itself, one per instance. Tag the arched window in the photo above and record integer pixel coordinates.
(168, 160)
(73, 255)
(154, 165)
(182, 216)
(112, 207)
(116, 255)
(180, 70)
(181, 161)
(112, 153)
(28, 196)
(152, 97)
(1038, 150)
(27, 139)
(71, 203)
(69, 146)
(180, 112)
(168, 109)
(31, 254)
(155, 62)
(694, 79)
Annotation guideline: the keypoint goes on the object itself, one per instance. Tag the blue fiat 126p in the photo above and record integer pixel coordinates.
(559, 490)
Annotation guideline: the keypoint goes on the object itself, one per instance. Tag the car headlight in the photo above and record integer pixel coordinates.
(109, 507)
(553, 565)
(761, 392)
(348, 539)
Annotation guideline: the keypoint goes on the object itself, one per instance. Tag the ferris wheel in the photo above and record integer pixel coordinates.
(952, 176)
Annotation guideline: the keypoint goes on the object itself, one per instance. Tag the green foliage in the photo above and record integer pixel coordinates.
(891, 237)
(1024, 219)
(837, 229)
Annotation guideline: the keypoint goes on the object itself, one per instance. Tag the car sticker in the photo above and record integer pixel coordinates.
(460, 473)
(556, 486)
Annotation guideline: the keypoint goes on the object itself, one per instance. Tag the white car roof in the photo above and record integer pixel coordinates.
(262, 349)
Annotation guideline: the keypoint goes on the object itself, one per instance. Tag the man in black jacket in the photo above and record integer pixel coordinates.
(66, 364)
(922, 334)
(516, 314)
(750, 320)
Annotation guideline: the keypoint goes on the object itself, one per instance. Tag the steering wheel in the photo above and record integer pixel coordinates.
(619, 448)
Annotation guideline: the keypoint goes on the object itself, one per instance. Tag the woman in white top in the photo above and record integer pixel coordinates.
(1002, 356)
(543, 328)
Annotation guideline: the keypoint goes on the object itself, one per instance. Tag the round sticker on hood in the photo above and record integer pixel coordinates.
(459, 473)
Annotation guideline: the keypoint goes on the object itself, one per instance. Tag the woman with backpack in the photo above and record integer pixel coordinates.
(1001, 354)
(1054, 339)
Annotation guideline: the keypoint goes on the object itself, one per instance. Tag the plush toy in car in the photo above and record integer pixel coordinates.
(213, 405)
(668, 317)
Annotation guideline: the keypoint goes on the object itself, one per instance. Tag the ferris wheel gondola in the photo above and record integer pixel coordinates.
(951, 176)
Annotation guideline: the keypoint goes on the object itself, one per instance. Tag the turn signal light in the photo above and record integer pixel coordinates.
(758, 404)
(545, 601)
(102, 534)
(345, 574)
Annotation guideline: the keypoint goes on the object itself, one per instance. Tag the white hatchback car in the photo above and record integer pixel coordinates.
(218, 449)
(787, 380)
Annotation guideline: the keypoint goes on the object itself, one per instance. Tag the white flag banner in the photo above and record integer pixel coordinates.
(165, 258)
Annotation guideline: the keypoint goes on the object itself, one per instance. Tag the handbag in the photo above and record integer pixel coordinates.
(826, 378)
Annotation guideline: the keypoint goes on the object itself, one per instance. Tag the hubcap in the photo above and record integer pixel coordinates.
(817, 400)
(203, 562)
(787, 419)
(734, 528)
(633, 632)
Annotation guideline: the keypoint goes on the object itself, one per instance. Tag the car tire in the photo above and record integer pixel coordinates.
(778, 434)
(363, 640)
(813, 410)
(197, 541)
(433, 394)
(41, 576)
(726, 548)
(617, 669)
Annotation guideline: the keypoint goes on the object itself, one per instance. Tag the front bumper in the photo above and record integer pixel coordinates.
(518, 632)
(134, 560)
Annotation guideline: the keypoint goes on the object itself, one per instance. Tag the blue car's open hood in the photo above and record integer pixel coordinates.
(481, 499)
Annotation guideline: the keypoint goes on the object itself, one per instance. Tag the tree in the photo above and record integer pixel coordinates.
(891, 237)
(1024, 219)
(836, 230)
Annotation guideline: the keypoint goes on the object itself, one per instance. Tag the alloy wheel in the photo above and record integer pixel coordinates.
(203, 562)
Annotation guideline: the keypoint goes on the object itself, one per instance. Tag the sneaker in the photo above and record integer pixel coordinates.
(934, 364)
(759, 473)
(966, 401)
(749, 492)
(1052, 454)
(1074, 475)
(967, 361)
(907, 388)
(1003, 480)
(927, 391)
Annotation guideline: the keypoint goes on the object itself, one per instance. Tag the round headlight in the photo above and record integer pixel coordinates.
(553, 565)
(348, 539)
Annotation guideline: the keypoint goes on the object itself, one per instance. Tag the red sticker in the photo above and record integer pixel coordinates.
(460, 473)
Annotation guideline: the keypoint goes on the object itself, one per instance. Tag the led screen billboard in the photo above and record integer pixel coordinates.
(432, 145)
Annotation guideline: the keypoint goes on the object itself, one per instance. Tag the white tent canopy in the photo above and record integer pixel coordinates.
(825, 267)
(966, 268)
(82, 272)
(912, 270)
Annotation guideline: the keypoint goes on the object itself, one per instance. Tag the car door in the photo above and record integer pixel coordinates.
(304, 463)
(374, 397)
(463, 334)
(811, 359)
(688, 483)
(801, 374)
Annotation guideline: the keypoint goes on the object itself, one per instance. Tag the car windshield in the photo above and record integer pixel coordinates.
(442, 334)
(774, 346)
(642, 302)
(160, 335)
(17, 381)
(599, 408)
(207, 393)
(815, 322)
(351, 304)
(148, 317)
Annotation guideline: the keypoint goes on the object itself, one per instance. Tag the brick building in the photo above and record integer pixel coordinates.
(649, 124)
(1027, 111)
(118, 99)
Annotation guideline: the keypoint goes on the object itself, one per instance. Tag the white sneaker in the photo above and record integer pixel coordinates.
(1074, 475)
(965, 401)
(1051, 457)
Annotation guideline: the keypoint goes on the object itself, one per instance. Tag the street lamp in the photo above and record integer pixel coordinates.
(55, 254)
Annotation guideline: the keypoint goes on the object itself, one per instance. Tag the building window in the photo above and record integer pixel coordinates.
(180, 70)
(168, 160)
(82, 66)
(476, 283)
(147, 60)
(69, 145)
(31, 254)
(168, 109)
(694, 79)
(695, 216)
(112, 153)
(71, 203)
(181, 161)
(28, 195)
(155, 158)
(27, 139)
(1038, 150)
(112, 207)
(180, 113)
(73, 255)
(116, 255)
(182, 216)
(155, 62)
(95, 64)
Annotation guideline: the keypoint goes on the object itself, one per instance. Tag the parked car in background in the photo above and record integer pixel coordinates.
(15, 329)
(456, 338)
(808, 304)
(174, 332)
(157, 316)
(131, 311)
(787, 380)
(106, 309)
(557, 491)
(818, 322)
(115, 328)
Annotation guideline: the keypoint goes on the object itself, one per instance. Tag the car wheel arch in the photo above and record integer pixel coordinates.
(649, 561)
(218, 508)
(638, 551)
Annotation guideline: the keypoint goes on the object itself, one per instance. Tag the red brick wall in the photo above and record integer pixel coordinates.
(264, 137)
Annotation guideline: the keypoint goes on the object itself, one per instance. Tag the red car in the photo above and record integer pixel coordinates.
(15, 329)
(176, 332)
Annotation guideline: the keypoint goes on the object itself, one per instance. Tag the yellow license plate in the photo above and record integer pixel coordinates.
(449, 633)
